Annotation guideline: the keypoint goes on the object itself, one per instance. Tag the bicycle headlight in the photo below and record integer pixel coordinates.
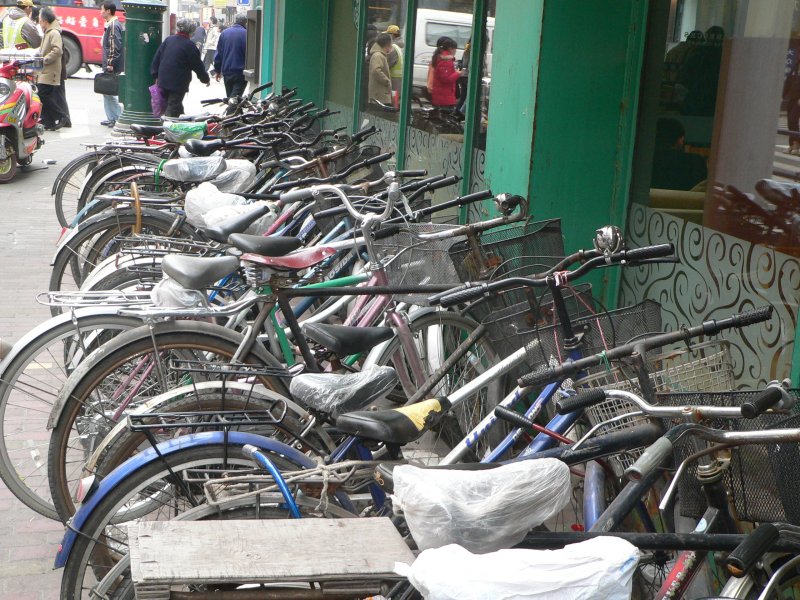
(5, 91)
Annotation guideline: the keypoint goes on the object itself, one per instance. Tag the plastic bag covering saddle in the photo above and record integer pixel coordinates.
(182, 132)
(338, 394)
(168, 293)
(205, 198)
(482, 511)
(223, 213)
(197, 168)
(238, 177)
(602, 567)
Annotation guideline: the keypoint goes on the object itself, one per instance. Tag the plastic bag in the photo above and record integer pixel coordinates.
(480, 510)
(180, 132)
(197, 168)
(223, 213)
(333, 393)
(205, 198)
(602, 567)
(168, 293)
(158, 100)
(238, 177)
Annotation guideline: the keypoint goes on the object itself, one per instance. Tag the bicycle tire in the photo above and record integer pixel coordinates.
(91, 552)
(448, 330)
(69, 181)
(111, 166)
(94, 240)
(28, 388)
(84, 413)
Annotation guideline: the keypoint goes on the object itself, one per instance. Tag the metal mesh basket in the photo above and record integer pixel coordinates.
(370, 173)
(410, 261)
(707, 367)
(510, 329)
(762, 477)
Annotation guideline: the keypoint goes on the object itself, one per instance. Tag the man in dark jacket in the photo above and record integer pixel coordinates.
(229, 59)
(112, 58)
(172, 66)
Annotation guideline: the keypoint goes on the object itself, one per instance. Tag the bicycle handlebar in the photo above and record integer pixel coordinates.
(475, 291)
(710, 327)
(750, 551)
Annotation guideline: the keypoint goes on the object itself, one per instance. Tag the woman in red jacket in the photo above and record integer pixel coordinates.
(445, 74)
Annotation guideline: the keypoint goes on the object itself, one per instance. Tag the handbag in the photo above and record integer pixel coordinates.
(106, 83)
(158, 100)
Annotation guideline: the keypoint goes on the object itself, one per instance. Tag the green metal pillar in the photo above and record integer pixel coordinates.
(143, 24)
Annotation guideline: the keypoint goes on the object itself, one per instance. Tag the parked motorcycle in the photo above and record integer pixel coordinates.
(20, 107)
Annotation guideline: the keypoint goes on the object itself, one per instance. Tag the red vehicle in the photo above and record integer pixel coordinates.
(20, 108)
(81, 28)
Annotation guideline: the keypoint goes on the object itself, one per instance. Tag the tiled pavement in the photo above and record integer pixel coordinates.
(28, 232)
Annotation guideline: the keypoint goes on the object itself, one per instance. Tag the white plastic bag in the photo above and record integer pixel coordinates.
(598, 568)
(205, 198)
(223, 213)
(481, 510)
(168, 293)
(238, 176)
(197, 168)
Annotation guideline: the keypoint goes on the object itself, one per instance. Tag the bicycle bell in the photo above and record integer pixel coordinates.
(608, 239)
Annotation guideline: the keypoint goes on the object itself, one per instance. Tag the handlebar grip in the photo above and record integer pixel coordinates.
(363, 134)
(475, 196)
(750, 551)
(648, 252)
(463, 295)
(516, 419)
(437, 298)
(260, 88)
(580, 401)
(385, 231)
(749, 317)
(765, 400)
(374, 160)
(288, 94)
(540, 378)
(212, 101)
(651, 458)
(411, 173)
(296, 195)
(444, 182)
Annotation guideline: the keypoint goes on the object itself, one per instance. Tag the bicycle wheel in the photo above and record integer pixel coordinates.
(95, 240)
(68, 184)
(126, 373)
(29, 384)
(170, 486)
(436, 336)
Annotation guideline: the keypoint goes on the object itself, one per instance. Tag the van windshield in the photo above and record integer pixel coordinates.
(460, 33)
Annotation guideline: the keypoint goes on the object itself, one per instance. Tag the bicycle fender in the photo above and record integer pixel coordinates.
(52, 322)
(378, 350)
(219, 331)
(149, 456)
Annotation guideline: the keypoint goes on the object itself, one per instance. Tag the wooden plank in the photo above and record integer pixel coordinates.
(264, 551)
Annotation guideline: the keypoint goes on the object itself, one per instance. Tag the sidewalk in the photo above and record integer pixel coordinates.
(28, 233)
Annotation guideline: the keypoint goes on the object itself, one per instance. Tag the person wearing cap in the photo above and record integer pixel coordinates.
(172, 66)
(395, 58)
(17, 30)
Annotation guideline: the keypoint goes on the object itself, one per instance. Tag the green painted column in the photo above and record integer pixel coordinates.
(143, 24)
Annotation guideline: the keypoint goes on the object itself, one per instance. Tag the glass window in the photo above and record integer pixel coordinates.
(435, 30)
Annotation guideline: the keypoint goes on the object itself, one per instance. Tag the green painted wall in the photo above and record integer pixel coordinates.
(586, 106)
(302, 43)
(341, 58)
(267, 40)
(515, 63)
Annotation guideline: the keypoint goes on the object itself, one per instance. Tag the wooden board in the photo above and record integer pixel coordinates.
(265, 551)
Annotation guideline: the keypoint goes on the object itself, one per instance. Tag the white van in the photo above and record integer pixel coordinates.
(433, 24)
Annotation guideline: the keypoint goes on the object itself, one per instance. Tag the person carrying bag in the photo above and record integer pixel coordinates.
(107, 82)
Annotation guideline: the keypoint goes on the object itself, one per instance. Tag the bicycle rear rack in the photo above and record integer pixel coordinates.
(94, 298)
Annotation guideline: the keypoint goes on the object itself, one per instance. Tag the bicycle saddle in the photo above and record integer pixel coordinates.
(397, 426)
(264, 246)
(295, 261)
(236, 224)
(343, 340)
(194, 168)
(198, 272)
(335, 394)
(203, 147)
(779, 193)
(147, 130)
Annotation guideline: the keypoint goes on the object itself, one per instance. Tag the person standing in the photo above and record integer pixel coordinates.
(17, 30)
(445, 74)
(113, 61)
(173, 64)
(229, 59)
(395, 58)
(199, 37)
(379, 87)
(54, 113)
(211, 43)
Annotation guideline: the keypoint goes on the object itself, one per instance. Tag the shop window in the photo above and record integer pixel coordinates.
(720, 106)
